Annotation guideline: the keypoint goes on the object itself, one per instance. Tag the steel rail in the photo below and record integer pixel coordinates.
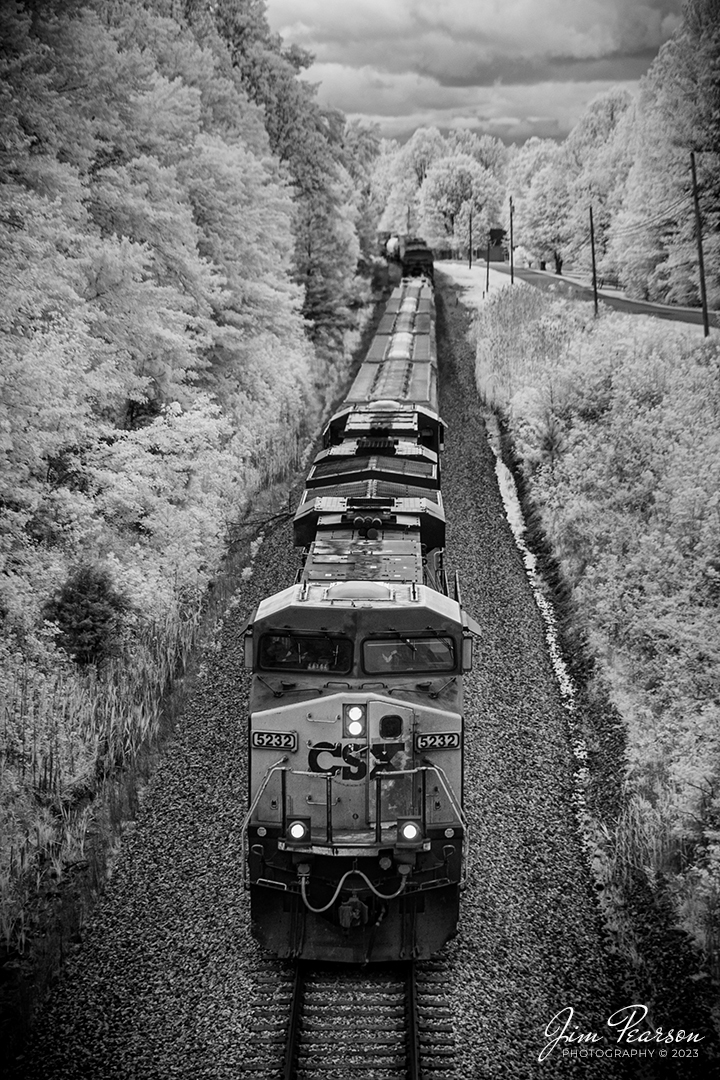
(292, 1041)
(414, 1064)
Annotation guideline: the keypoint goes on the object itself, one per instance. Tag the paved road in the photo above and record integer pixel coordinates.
(577, 290)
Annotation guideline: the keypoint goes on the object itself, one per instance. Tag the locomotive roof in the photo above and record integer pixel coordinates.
(398, 468)
(386, 445)
(347, 595)
(387, 413)
(390, 558)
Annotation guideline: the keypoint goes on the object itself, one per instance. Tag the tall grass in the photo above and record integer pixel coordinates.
(61, 735)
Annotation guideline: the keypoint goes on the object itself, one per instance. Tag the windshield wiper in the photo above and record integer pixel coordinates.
(286, 687)
(437, 693)
(273, 689)
(424, 687)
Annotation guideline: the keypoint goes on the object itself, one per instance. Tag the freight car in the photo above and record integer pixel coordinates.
(355, 836)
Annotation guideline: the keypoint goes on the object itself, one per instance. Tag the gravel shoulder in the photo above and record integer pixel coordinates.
(167, 978)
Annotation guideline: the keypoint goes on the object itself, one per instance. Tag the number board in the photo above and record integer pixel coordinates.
(274, 740)
(438, 740)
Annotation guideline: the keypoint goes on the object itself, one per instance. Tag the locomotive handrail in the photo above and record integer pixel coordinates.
(279, 766)
(246, 820)
(451, 798)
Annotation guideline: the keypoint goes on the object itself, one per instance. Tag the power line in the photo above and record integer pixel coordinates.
(639, 226)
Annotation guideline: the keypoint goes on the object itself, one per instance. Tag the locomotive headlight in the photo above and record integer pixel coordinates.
(298, 830)
(409, 832)
(354, 721)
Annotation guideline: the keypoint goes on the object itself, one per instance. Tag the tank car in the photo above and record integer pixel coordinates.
(355, 835)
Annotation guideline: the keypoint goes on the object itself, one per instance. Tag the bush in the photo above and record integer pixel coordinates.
(89, 614)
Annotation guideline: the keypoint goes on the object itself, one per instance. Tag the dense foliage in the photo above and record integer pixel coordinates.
(180, 226)
(615, 421)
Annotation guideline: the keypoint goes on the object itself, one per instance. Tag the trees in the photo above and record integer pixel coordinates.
(361, 147)
(148, 239)
(490, 152)
(431, 183)
(308, 140)
(652, 239)
(536, 156)
(456, 186)
(539, 185)
(599, 159)
(405, 170)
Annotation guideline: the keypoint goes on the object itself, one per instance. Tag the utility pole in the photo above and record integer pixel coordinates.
(701, 261)
(470, 252)
(592, 248)
(487, 273)
(512, 253)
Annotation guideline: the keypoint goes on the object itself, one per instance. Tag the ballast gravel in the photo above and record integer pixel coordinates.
(167, 981)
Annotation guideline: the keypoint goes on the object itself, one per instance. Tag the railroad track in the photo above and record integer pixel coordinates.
(327, 1022)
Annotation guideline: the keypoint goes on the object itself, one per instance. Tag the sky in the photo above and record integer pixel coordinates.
(509, 68)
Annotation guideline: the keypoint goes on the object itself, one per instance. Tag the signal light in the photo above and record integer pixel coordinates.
(409, 832)
(354, 721)
(298, 830)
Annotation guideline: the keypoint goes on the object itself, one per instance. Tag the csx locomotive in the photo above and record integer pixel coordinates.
(355, 835)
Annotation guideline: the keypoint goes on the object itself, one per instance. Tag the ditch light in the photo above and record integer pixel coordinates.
(409, 832)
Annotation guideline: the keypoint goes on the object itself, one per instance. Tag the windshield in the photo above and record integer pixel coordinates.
(305, 652)
(409, 654)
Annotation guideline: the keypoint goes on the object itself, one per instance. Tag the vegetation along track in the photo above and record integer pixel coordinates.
(167, 979)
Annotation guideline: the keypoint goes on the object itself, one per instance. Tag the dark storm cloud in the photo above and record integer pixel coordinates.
(614, 68)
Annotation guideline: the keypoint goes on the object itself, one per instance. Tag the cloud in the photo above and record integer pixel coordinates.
(444, 38)
(401, 59)
(400, 104)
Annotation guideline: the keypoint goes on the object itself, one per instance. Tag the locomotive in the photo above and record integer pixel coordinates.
(355, 837)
